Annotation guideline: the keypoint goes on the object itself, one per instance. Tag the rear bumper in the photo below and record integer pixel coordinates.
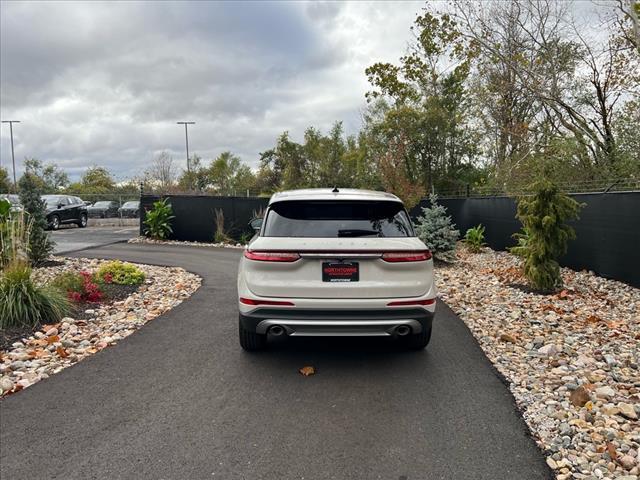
(319, 322)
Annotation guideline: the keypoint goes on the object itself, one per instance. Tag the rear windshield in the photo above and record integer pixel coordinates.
(330, 219)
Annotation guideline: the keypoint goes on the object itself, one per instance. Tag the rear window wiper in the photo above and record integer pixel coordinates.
(357, 233)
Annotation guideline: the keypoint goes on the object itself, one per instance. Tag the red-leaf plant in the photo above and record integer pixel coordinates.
(89, 291)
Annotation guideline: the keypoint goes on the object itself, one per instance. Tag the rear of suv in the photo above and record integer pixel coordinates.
(64, 209)
(336, 263)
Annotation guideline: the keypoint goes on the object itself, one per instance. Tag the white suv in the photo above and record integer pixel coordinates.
(335, 263)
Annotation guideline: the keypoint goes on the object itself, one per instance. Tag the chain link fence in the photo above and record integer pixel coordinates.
(588, 186)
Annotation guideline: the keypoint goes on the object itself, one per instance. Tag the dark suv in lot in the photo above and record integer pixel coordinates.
(63, 209)
(103, 209)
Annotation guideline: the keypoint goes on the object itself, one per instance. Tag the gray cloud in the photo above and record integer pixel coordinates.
(104, 83)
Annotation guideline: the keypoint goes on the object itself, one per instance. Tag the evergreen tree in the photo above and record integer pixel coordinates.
(40, 245)
(543, 216)
(436, 229)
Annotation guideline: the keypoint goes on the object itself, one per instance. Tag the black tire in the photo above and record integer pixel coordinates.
(419, 341)
(251, 341)
(54, 222)
(82, 223)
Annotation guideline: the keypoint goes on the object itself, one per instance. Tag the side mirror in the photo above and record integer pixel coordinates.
(256, 224)
(60, 205)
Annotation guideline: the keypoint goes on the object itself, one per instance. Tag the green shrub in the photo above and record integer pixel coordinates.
(474, 238)
(436, 229)
(25, 304)
(5, 208)
(543, 216)
(522, 237)
(120, 273)
(158, 220)
(68, 282)
(40, 245)
(245, 238)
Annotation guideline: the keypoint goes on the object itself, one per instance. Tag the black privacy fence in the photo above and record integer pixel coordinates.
(195, 215)
(608, 232)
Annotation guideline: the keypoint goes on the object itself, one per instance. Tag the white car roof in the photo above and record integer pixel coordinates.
(332, 194)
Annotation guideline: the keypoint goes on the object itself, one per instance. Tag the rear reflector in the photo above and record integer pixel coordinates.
(271, 256)
(415, 256)
(251, 301)
(428, 301)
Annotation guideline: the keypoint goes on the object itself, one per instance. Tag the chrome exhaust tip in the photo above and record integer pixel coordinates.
(403, 330)
(276, 330)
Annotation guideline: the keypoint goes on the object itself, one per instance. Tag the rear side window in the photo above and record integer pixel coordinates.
(331, 219)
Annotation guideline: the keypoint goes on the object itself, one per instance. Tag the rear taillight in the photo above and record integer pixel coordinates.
(253, 301)
(428, 301)
(271, 256)
(415, 256)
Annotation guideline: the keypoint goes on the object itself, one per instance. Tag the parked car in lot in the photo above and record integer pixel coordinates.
(14, 200)
(336, 263)
(130, 209)
(63, 209)
(103, 209)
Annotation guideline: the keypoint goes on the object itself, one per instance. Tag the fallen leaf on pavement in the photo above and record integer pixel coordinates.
(308, 370)
(62, 353)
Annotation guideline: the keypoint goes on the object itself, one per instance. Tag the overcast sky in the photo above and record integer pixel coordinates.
(104, 84)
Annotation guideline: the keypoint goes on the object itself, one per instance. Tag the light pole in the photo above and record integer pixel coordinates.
(186, 139)
(13, 158)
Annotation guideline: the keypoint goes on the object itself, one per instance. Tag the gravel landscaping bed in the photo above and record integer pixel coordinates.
(571, 359)
(79, 311)
(51, 348)
(180, 242)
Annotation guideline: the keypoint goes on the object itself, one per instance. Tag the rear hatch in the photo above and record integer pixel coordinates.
(338, 249)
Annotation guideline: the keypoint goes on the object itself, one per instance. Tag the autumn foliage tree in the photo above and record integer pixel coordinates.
(393, 170)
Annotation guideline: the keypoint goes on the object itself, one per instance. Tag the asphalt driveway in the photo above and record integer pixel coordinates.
(71, 238)
(180, 400)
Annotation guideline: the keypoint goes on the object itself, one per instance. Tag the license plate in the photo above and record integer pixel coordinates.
(340, 272)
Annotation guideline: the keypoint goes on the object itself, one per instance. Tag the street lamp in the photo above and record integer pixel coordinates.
(13, 158)
(186, 139)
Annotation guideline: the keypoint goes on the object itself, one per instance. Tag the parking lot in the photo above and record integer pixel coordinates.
(72, 238)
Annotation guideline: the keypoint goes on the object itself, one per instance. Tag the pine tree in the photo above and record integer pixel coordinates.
(543, 216)
(436, 229)
(40, 245)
